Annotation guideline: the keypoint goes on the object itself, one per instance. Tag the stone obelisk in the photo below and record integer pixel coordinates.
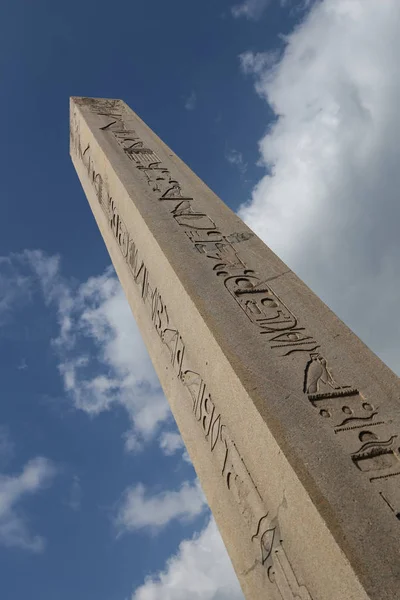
(292, 423)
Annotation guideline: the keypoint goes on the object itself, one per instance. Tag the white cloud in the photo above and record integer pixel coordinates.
(328, 204)
(103, 360)
(14, 531)
(190, 102)
(171, 442)
(140, 509)
(201, 570)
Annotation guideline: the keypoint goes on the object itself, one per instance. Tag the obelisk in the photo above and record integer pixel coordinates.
(291, 422)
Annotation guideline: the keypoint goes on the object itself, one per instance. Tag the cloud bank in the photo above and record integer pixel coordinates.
(328, 202)
(103, 361)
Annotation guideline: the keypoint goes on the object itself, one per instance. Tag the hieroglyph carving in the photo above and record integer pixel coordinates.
(237, 479)
(367, 438)
(278, 567)
(259, 302)
(270, 314)
(345, 407)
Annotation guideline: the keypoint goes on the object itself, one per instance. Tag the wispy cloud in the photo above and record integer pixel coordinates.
(254, 9)
(14, 531)
(236, 159)
(256, 63)
(171, 442)
(200, 569)
(75, 494)
(251, 9)
(328, 203)
(140, 509)
(15, 287)
(191, 101)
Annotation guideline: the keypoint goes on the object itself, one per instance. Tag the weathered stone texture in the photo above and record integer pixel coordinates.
(292, 423)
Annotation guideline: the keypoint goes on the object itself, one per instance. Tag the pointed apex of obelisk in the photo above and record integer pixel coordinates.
(95, 103)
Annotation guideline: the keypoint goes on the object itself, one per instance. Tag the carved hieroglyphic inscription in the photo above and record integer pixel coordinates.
(368, 439)
(365, 436)
(278, 567)
(256, 298)
(237, 479)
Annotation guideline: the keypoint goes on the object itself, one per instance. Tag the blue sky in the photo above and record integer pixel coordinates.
(288, 111)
